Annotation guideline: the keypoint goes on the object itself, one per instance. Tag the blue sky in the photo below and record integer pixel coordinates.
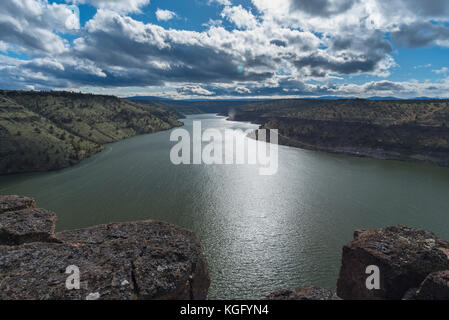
(227, 48)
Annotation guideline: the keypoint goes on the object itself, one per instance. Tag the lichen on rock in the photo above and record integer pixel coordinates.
(134, 260)
(14, 203)
(405, 257)
(28, 225)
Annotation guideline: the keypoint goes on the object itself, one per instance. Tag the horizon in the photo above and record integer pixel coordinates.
(219, 99)
(227, 50)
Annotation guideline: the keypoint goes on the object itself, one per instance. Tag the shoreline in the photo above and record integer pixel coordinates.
(102, 149)
(378, 154)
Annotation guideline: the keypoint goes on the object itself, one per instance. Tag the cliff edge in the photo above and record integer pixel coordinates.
(134, 260)
(409, 264)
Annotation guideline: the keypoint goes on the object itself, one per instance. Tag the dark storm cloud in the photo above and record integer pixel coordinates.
(279, 43)
(420, 35)
(346, 65)
(347, 55)
(138, 54)
(373, 44)
(324, 8)
(384, 86)
(286, 86)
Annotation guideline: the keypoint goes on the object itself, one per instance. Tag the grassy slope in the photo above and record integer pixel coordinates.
(404, 130)
(44, 131)
(182, 108)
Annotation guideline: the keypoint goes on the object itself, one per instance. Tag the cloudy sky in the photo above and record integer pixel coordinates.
(227, 48)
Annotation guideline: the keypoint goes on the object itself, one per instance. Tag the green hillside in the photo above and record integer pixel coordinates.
(183, 108)
(402, 130)
(51, 130)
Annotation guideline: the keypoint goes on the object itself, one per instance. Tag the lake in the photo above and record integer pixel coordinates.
(260, 233)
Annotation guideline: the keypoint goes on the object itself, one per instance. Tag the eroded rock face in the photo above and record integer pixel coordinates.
(28, 225)
(434, 287)
(15, 203)
(167, 261)
(137, 260)
(405, 257)
(310, 293)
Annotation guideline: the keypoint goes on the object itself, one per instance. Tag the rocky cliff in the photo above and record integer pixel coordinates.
(412, 264)
(155, 260)
(404, 256)
(135, 260)
(414, 130)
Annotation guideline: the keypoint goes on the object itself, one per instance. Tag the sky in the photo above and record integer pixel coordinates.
(227, 49)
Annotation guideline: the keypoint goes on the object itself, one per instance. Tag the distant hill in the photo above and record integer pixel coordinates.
(154, 98)
(384, 98)
(185, 107)
(408, 99)
(51, 130)
(412, 130)
(147, 98)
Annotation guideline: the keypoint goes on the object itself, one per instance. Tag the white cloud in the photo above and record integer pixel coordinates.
(241, 17)
(443, 70)
(4, 47)
(32, 25)
(194, 91)
(242, 90)
(220, 2)
(165, 15)
(213, 23)
(122, 6)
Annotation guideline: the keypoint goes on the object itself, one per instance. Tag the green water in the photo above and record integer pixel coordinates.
(260, 233)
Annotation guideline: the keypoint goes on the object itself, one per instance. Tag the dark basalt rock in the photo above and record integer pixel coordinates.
(28, 225)
(405, 257)
(410, 294)
(167, 263)
(434, 287)
(137, 260)
(310, 293)
(156, 260)
(14, 203)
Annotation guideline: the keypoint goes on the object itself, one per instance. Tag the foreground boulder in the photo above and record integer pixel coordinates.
(137, 260)
(15, 203)
(434, 287)
(28, 225)
(310, 293)
(22, 222)
(404, 256)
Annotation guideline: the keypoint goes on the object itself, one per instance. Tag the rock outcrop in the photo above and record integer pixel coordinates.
(310, 293)
(136, 260)
(22, 222)
(156, 260)
(15, 203)
(434, 287)
(28, 225)
(404, 256)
